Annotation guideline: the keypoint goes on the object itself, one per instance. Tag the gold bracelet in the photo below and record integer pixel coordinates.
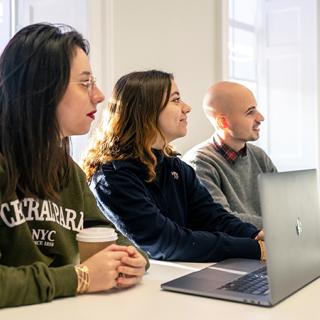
(83, 278)
(263, 255)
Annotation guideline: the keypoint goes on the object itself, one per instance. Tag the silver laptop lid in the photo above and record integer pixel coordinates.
(291, 217)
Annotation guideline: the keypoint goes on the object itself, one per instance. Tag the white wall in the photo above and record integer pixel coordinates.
(182, 37)
(288, 82)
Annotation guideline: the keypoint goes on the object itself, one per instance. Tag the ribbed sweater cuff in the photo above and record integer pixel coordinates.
(65, 279)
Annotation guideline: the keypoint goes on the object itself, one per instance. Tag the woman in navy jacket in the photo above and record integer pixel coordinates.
(152, 196)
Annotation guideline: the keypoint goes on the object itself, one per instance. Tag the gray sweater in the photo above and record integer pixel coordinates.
(235, 186)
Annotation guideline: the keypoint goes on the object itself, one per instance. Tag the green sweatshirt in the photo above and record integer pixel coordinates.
(38, 246)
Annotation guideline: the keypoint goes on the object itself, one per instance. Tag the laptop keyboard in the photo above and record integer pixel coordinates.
(255, 282)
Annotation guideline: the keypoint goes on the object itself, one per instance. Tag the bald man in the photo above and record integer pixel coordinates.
(226, 163)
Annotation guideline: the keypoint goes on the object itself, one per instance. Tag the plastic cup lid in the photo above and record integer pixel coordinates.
(97, 234)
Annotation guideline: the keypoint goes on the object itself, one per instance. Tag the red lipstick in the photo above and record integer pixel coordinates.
(91, 114)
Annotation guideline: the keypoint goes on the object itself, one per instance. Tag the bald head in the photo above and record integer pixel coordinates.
(232, 109)
(226, 97)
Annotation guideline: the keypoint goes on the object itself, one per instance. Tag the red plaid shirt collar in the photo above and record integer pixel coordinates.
(229, 154)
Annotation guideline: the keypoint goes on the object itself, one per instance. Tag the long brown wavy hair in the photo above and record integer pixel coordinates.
(131, 124)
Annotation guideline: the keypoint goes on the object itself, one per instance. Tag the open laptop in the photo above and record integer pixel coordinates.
(291, 220)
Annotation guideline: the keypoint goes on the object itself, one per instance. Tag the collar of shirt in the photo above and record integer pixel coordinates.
(228, 153)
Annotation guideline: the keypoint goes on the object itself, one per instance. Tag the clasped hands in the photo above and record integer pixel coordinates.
(115, 266)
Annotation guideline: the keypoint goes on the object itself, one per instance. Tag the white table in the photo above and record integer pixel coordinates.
(148, 301)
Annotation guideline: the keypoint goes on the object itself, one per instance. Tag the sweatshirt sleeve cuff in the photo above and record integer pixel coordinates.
(246, 248)
(65, 279)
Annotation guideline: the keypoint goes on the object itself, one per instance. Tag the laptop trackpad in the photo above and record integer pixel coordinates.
(211, 278)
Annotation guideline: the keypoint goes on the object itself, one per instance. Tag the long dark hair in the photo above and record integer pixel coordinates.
(137, 101)
(34, 75)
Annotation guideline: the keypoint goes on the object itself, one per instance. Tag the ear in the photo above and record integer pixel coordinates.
(222, 122)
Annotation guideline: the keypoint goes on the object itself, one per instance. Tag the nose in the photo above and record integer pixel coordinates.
(260, 117)
(97, 95)
(186, 108)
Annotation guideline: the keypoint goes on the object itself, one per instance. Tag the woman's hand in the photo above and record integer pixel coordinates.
(103, 267)
(131, 269)
(260, 235)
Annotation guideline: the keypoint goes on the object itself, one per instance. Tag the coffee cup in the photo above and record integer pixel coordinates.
(93, 240)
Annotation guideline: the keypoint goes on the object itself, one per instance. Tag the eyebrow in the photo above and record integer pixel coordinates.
(85, 73)
(250, 108)
(175, 92)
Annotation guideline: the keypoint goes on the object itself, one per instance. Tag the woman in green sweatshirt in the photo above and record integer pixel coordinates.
(47, 94)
